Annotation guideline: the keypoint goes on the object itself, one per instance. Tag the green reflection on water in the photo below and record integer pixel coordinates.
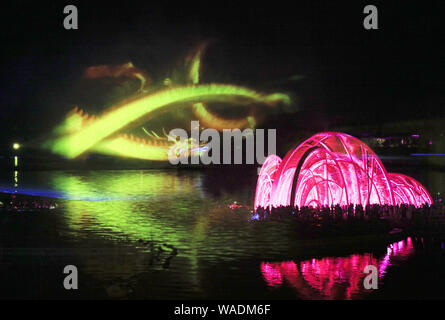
(125, 207)
(131, 204)
(136, 207)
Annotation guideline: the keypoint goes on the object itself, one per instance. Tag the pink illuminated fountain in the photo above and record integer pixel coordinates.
(333, 168)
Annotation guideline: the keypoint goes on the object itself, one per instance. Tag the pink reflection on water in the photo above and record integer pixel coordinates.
(336, 277)
(272, 272)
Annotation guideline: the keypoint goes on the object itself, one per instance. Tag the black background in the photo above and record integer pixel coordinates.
(350, 75)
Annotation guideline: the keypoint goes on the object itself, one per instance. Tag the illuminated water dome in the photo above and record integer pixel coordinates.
(333, 168)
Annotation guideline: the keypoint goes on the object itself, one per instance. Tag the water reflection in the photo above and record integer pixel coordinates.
(336, 277)
(167, 234)
(129, 204)
(162, 220)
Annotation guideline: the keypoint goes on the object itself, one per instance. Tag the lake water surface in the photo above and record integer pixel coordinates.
(170, 234)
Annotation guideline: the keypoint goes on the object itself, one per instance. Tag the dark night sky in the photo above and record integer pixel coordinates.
(350, 74)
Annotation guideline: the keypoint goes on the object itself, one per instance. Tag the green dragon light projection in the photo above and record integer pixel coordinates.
(206, 117)
(105, 134)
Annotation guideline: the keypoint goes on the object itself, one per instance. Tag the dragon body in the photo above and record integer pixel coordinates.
(108, 133)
